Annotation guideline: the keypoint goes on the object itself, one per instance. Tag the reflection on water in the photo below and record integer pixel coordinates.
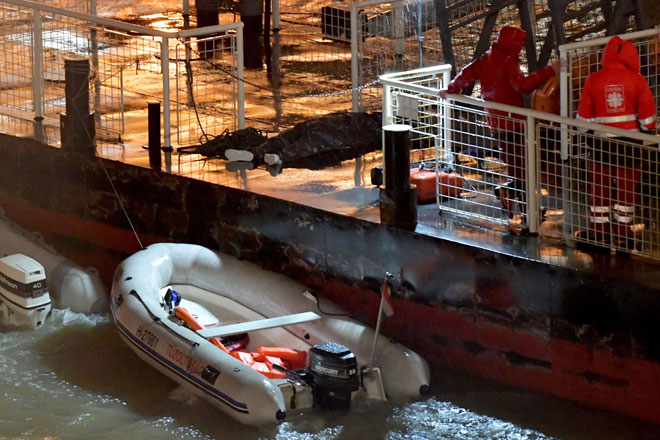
(74, 378)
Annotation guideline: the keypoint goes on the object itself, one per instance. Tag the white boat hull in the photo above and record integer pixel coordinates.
(237, 291)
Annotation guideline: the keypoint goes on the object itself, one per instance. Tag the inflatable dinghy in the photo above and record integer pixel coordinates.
(253, 343)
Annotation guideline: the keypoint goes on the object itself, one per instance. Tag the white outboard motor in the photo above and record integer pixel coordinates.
(24, 297)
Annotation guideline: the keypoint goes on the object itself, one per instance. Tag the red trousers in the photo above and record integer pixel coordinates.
(613, 199)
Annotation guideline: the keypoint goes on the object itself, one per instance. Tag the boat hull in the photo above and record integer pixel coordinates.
(523, 314)
(229, 286)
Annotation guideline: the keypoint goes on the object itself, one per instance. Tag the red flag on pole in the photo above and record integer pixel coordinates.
(385, 310)
(386, 301)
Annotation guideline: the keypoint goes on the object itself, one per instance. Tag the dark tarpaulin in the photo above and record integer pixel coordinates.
(326, 140)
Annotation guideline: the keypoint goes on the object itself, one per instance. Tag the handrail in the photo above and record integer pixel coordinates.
(603, 40)
(648, 138)
(390, 79)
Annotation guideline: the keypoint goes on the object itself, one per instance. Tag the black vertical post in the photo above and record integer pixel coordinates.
(77, 128)
(640, 17)
(252, 17)
(154, 134)
(398, 199)
(207, 15)
(267, 47)
(526, 19)
(558, 13)
(442, 18)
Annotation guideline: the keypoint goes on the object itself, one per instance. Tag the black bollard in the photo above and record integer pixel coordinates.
(154, 134)
(77, 128)
(398, 199)
(252, 18)
(207, 15)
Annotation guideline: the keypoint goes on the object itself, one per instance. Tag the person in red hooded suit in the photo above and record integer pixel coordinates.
(617, 96)
(502, 80)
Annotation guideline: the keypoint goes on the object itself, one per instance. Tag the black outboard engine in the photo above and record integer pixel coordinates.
(333, 374)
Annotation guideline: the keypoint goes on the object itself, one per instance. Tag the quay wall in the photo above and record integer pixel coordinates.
(591, 336)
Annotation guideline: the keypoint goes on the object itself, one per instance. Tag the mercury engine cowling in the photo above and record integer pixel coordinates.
(333, 373)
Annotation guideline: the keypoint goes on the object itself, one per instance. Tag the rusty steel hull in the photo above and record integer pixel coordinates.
(591, 335)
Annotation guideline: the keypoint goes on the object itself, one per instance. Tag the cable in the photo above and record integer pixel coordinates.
(128, 218)
(318, 307)
(114, 189)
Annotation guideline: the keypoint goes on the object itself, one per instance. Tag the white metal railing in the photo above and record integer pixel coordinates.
(557, 157)
(411, 98)
(129, 64)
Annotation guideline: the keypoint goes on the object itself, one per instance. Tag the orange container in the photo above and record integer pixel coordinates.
(450, 184)
(546, 99)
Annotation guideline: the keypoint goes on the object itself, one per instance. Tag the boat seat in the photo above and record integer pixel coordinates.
(260, 324)
(203, 316)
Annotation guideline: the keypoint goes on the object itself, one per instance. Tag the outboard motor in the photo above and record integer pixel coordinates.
(333, 374)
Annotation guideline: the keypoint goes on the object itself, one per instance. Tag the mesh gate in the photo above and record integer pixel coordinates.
(206, 95)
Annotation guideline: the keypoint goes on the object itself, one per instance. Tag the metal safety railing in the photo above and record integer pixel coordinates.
(130, 64)
(498, 164)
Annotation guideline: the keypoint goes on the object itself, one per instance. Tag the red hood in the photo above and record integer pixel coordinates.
(621, 51)
(511, 39)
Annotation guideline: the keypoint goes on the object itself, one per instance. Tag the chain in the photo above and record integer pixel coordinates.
(341, 92)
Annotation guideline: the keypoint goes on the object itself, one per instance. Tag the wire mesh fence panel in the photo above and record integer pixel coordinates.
(84, 6)
(56, 36)
(206, 98)
(458, 142)
(467, 18)
(607, 189)
(311, 65)
(16, 63)
(394, 37)
(418, 107)
(126, 70)
(488, 154)
(63, 37)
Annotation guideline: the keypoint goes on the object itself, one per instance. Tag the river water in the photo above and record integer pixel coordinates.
(73, 378)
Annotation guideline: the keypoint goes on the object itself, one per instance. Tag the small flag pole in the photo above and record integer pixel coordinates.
(388, 278)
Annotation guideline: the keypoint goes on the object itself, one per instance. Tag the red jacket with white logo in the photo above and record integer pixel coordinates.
(501, 79)
(617, 95)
